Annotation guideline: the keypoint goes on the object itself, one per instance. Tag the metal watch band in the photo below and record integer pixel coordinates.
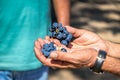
(99, 62)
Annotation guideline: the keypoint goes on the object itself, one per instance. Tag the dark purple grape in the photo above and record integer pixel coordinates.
(69, 37)
(59, 32)
(46, 53)
(48, 48)
(59, 36)
(64, 42)
(66, 32)
(63, 50)
(60, 29)
(64, 35)
(52, 34)
(45, 45)
(55, 24)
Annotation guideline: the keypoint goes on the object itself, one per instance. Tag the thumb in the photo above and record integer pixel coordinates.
(62, 56)
(74, 31)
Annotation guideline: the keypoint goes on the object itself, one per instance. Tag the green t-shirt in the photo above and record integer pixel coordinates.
(21, 23)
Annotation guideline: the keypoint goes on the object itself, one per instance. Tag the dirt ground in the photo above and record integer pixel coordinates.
(101, 17)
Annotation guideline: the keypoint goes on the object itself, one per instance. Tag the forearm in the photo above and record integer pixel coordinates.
(112, 61)
(112, 65)
(62, 10)
(113, 49)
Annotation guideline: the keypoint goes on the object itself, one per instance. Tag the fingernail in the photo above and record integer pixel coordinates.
(53, 55)
(67, 26)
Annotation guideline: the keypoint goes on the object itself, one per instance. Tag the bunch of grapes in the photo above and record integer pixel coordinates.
(59, 32)
(49, 47)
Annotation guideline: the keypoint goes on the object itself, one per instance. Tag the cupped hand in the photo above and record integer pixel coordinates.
(86, 39)
(81, 52)
(71, 59)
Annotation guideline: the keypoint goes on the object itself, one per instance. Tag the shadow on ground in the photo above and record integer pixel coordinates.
(100, 16)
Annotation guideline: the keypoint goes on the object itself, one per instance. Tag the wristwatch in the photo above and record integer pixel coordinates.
(99, 62)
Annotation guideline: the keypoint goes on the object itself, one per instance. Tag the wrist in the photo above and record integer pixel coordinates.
(105, 64)
(111, 65)
(113, 49)
(97, 67)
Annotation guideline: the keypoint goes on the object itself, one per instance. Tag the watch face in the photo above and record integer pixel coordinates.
(102, 54)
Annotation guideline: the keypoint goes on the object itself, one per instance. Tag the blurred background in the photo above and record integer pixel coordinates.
(101, 17)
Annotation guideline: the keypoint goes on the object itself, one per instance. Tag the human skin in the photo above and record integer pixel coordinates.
(62, 10)
(82, 52)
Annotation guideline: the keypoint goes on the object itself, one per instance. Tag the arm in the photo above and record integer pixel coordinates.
(113, 49)
(62, 10)
(112, 61)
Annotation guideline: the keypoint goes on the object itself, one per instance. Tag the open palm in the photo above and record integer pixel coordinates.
(86, 39)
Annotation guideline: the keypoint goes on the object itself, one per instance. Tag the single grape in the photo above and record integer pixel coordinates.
(66, 32)
(64, 42)
(55, 24)
(52, 34)
(45, 45)
(69, 37)
(64, 35)
(63, 50)
(59, 36)
(60, 29)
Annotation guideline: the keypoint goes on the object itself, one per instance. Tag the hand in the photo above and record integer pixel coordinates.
(72, 59)
(46, 61)
(86, 39)
(81, 51)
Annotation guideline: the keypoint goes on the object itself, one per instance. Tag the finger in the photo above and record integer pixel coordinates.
(46, 61)
(41, 41)
(54, 68)
(37, 45)
(57, 42)
(75, 32)
(39, 54)
(62, 56)
(51, 63)
(62, 64)
(47, 38)
(41, 57)
(59, 45)
(46, 41)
